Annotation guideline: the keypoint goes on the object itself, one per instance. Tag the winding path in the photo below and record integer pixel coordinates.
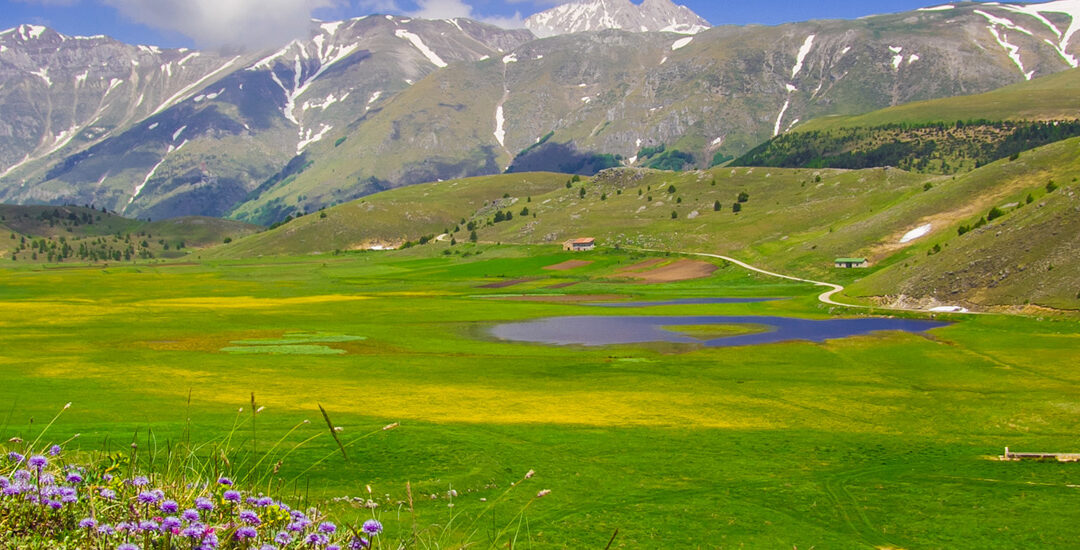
(824, 297)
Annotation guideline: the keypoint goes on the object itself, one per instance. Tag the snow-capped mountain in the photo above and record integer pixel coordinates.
(58, 92)
(382, 101)
(207, 141)
(595, 15)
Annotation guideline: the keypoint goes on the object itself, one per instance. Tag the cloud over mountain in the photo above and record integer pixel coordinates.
(226, 23)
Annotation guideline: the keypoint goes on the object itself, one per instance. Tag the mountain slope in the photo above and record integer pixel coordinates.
(60, 93)
(595, 15)
(211, 150)
(713, 95)
(366, 104)
(1046, 98)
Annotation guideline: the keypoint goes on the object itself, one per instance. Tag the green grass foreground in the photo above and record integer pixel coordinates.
(887, 440)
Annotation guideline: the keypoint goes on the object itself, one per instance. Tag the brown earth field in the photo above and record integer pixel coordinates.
(568, 265)
(511, 282)
(681, 270)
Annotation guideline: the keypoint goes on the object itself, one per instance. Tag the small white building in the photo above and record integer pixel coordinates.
(580, 245)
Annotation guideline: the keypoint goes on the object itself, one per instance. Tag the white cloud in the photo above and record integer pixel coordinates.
(449, 9)
(221, 23)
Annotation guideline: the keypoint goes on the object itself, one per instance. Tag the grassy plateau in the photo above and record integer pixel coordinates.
(881, 441)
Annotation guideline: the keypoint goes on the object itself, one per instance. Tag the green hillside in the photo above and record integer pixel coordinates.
(795, 220)
(1051, 97)
(944, 136)
(39, 233)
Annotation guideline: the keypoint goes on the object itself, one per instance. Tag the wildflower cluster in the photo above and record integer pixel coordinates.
(43, 496)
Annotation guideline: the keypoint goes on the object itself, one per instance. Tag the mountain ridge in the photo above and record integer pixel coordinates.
(595, 15)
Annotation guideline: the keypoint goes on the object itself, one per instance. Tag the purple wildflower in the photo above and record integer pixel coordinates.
(148, 525)
(231, 496)
(193, 531)
(55, 504)
(283, 538)
(372, 527)
(47, 479)
(140, 481)
(333, 547)
(317, 539)
(170, 523)
(249, 517)
(107, 477)
(169, 506)
(203, 503)
(107, 494)
(246, 533)
(147, 497)
(4, 482)
(190, 515)
(264, 502)
(22, 475)
(225, 481)
(74, 477)
(87, 523)
(105, 529)
(54, 450)
(38, 462)
(15, 457)
(12, 490)
(359, 543)
(295, 527)
(268, 547)
(327, 527)
(127, 546)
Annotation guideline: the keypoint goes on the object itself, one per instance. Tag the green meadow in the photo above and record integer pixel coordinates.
(881, 441)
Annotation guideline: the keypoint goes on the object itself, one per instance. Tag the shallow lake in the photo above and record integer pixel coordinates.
(684, 302)
(604, 330)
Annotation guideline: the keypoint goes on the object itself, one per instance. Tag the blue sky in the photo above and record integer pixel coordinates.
(194, 23)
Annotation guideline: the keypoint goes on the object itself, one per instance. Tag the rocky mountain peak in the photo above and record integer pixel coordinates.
(594, 15)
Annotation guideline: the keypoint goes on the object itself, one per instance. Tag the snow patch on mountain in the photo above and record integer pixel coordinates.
(1013, 50)
(804, 50)
(682, 43)
(419, 44)
(309, 136)
(500, 123)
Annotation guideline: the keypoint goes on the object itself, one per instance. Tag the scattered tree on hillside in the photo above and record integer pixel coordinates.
(736, 207)
(472, 236)
(716, 206)
(743, 196)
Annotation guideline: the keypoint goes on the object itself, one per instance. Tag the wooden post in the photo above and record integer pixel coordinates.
(1006, 453)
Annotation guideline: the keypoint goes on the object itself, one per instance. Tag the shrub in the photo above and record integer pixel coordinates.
(671, 189)
(716, 206)
(744, 196)
(736, 207)
(1051, 186)
(994, 213)
(674, 214)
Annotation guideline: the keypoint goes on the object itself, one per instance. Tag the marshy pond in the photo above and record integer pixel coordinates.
(707, 330)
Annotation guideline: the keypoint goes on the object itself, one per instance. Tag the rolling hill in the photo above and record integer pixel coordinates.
(947, 135)
(58, 234)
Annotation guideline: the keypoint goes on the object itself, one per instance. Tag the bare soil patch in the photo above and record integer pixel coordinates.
(567, 298)
(562, 285)
(681, 270)
(567, 265)
(511, 282)
(639, 266)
